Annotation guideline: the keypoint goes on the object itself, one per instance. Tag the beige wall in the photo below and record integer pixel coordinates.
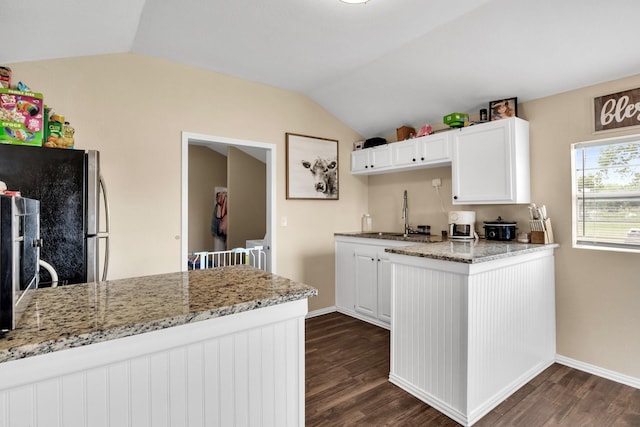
(134, 108)
(207, 170)
(597, 292)
(247, 201)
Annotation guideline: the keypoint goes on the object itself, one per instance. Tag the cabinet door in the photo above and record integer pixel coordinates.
(384, 287)
(404, 153)
(366, 281)
(359, 160)
(435, 148)
(369, 160)
(484, 164)
(345, 276)
(380, 157)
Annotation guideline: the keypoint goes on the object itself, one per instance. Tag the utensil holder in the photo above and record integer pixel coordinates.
(541, 231)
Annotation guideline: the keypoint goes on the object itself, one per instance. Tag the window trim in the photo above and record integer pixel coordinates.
(603, 246)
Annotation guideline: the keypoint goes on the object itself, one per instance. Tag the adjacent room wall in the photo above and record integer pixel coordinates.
(597, 292)
(247, 199)
(207, 170)
(134, 109)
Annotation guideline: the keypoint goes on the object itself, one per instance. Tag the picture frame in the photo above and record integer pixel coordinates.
(503, 108)
(311, 167)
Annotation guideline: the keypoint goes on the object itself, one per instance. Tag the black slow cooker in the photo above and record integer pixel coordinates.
(499, 229)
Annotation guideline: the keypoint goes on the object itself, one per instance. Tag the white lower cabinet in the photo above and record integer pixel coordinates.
(363, 278)
(373, 283)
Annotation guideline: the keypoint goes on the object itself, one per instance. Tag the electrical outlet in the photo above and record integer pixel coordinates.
(436, 182)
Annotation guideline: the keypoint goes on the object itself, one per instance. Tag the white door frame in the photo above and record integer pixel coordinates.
(201, 139)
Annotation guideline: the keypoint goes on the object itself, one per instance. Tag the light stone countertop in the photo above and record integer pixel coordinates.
(464, 251)
(76, 315)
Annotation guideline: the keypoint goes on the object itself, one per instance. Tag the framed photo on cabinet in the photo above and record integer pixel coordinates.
(503, 108)
(312, 167)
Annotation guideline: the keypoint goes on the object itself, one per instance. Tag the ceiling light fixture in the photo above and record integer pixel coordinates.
(354, 1)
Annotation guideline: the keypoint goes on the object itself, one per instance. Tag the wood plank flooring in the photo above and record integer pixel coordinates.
(347, 368)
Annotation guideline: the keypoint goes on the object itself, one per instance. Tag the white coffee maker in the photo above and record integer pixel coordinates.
(462, 224)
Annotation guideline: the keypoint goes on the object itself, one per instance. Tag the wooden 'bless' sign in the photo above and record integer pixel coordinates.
(618, 110)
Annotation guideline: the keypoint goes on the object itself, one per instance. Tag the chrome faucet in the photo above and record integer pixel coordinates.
(405, 214)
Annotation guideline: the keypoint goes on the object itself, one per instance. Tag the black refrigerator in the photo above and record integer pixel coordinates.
(72, 196)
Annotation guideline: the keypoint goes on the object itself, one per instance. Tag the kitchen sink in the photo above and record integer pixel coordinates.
(421, 238)
(381, 234)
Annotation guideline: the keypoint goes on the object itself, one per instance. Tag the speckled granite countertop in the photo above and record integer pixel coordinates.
(77, 315)
(471, 252)
(468, 252)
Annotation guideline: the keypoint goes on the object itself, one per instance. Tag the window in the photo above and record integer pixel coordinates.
(606, 194)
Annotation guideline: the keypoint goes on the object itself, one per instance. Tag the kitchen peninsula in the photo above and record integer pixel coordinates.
(471, 322)
(221, 346)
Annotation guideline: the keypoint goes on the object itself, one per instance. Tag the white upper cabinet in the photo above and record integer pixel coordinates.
(430, 150)
(371, 160)
(490, 163)
(426, 151)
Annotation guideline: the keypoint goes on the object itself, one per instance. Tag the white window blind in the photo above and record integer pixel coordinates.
(606, 189)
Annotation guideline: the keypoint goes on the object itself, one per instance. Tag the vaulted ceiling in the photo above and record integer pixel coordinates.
(375, 66)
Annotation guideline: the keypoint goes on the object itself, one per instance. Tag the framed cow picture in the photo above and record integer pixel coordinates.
(312, 167)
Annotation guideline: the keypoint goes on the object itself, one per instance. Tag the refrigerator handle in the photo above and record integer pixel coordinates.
(93, 188)
(105, 234)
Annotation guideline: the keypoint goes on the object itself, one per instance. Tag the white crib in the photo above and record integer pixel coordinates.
(255, 257)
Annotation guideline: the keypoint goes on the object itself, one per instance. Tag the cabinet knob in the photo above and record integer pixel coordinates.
(422, 158)
(455, 197)
(366, 166)
(414, 160)
(371, 165)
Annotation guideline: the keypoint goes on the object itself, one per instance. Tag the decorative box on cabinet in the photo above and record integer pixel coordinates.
(490, 163)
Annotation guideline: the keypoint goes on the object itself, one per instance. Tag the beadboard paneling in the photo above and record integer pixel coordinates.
(253, 376)
(464, 340)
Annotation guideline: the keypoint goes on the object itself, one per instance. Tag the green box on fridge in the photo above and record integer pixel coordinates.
(21, 117)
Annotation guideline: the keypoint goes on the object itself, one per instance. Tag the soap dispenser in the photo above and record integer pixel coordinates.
(366, 223)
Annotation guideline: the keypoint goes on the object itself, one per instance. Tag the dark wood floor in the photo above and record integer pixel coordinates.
(347, 368)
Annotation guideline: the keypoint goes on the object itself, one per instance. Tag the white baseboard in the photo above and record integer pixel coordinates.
(595, 370)
(364, 318)
(322, 311)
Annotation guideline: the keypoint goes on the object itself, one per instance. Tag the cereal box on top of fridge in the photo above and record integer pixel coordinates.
(21, 117)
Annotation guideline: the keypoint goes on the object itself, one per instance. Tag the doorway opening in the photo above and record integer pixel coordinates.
(265, 152)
